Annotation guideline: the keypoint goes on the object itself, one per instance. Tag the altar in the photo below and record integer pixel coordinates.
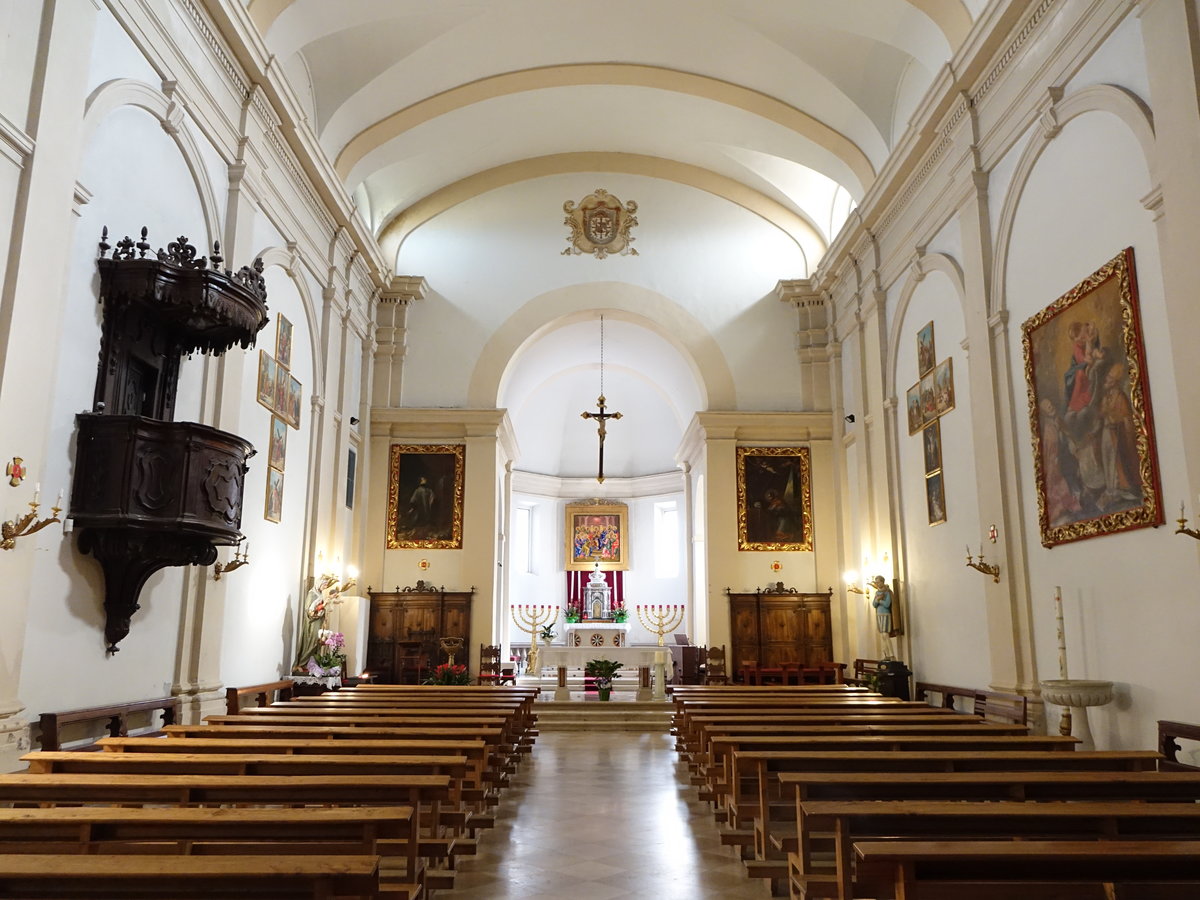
(631, 658)
(597, 634)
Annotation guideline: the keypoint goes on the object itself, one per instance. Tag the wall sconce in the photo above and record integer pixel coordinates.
(992, 569)
(851, 579)
(338, 581)
(239, 560)
(1183, 529)
(29, 523)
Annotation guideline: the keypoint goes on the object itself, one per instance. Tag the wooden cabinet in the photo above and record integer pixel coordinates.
(779, 625)
(406, 626)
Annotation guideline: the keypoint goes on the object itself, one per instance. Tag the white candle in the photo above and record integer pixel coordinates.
(37, 491)
(58, 502)
(1062, 640)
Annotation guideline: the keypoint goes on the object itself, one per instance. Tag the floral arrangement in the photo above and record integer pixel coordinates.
(574, 611)
(448, 674)
(329, 658)
(620, 613)
(603, 671)
(547, 633)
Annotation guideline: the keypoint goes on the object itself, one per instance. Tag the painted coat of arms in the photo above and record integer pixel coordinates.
(600, 225)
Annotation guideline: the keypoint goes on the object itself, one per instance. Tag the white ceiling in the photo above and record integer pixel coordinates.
(787, 108)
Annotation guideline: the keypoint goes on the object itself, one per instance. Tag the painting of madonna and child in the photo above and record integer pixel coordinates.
(1095, 461)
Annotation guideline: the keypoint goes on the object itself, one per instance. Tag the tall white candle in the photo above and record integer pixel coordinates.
(1062, 639)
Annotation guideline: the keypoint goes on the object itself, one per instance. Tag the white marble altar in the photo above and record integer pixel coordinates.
(577, 657)
(597, 634)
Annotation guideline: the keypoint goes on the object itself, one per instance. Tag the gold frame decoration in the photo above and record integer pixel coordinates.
(943, 385)
(931, 444)
(596, 531)
(283, 342)
(425, 496)
(935, 497)
(774, 498)
(600, 225)
(277, 444)
(273, 504)
(926, 351)
(268, 374)
(1091, 426)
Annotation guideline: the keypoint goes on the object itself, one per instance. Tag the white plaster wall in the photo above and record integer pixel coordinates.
(114, 55)
(726, 285)
(942, 600)
(64, 638)
(1122, 593)
(20, 22)
(263, 599)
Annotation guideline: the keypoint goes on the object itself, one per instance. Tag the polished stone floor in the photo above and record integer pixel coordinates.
(593, 816)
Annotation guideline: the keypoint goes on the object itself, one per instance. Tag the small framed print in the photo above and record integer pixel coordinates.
(935, 498)
(926, 356)
(273, 511)
(943, 386)
(931, 439)
(281, 392)
(277, 448)
(283, 342)
(267, 372)
(292, 413)
(928, 399)
(912, 401)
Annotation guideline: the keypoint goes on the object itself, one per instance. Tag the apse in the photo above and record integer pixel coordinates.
(556, 376)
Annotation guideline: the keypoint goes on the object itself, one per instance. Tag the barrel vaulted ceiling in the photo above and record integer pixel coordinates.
(785, 108)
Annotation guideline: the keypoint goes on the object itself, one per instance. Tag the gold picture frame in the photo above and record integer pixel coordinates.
(425, 496)
(1091, 425)
(596, 532)
(273, 505)
(268, 373)
(283, 342)
(774, 498)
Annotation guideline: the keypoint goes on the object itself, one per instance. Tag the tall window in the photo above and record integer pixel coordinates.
(666, 540)
(522, 529)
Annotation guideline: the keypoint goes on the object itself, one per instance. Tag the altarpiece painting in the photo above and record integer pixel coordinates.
(774, 498)
(425, 497)
(597, 532)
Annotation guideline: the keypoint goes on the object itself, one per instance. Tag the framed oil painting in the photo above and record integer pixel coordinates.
(597, 532)
(283, 342)
(281, 392)
(291, 410)
(912, 402)
(1094, 453)
(926, 355)
(931, 439)
(277, 447)
(943, 386)
(425, 496)
(928, 398)
(935, 498)
(274, 505)
(774, 498)
(267, 372)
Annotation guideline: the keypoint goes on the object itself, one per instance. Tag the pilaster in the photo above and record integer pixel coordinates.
(391, 337)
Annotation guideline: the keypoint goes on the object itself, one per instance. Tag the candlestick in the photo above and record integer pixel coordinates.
(1062, 638)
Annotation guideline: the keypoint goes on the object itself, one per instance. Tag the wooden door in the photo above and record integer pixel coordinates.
(744, 631)
(818, 634)
(781, 627)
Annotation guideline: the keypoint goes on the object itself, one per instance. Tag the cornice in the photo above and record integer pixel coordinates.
(556, 488)
(15, 144)
(434, 424)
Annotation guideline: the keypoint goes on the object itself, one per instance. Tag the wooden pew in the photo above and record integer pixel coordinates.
(1169, 734)
(788, 768)
(262, 694)
(288, 877)
(851, 821)
(116, 716)
(385, 832)
(1033, 870)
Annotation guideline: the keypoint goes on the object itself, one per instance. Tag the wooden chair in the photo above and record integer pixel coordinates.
(489, 665)
(714, 666)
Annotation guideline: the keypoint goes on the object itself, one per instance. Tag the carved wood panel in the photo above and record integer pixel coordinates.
(779, 626)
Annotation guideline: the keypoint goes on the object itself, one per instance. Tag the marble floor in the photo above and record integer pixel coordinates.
(593, 816)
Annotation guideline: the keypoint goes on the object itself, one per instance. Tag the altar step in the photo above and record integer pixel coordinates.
(590, 714)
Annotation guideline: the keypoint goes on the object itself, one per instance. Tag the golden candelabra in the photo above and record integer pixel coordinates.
(855, 589)
(1183, 529)
(992, 569)
(28, 524)
(661, 619)
(531, 618)
(239, 559)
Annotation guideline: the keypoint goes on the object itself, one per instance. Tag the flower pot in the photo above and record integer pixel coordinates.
(604, 693)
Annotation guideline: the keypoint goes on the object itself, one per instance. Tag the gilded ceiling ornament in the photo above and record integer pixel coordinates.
(600, 225)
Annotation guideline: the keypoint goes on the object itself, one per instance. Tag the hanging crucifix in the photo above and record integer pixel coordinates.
(601, 417)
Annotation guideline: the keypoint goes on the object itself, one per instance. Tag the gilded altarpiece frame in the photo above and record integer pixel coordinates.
(596, 532)
(425, 496)
(774, 498)
(1094, 453)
